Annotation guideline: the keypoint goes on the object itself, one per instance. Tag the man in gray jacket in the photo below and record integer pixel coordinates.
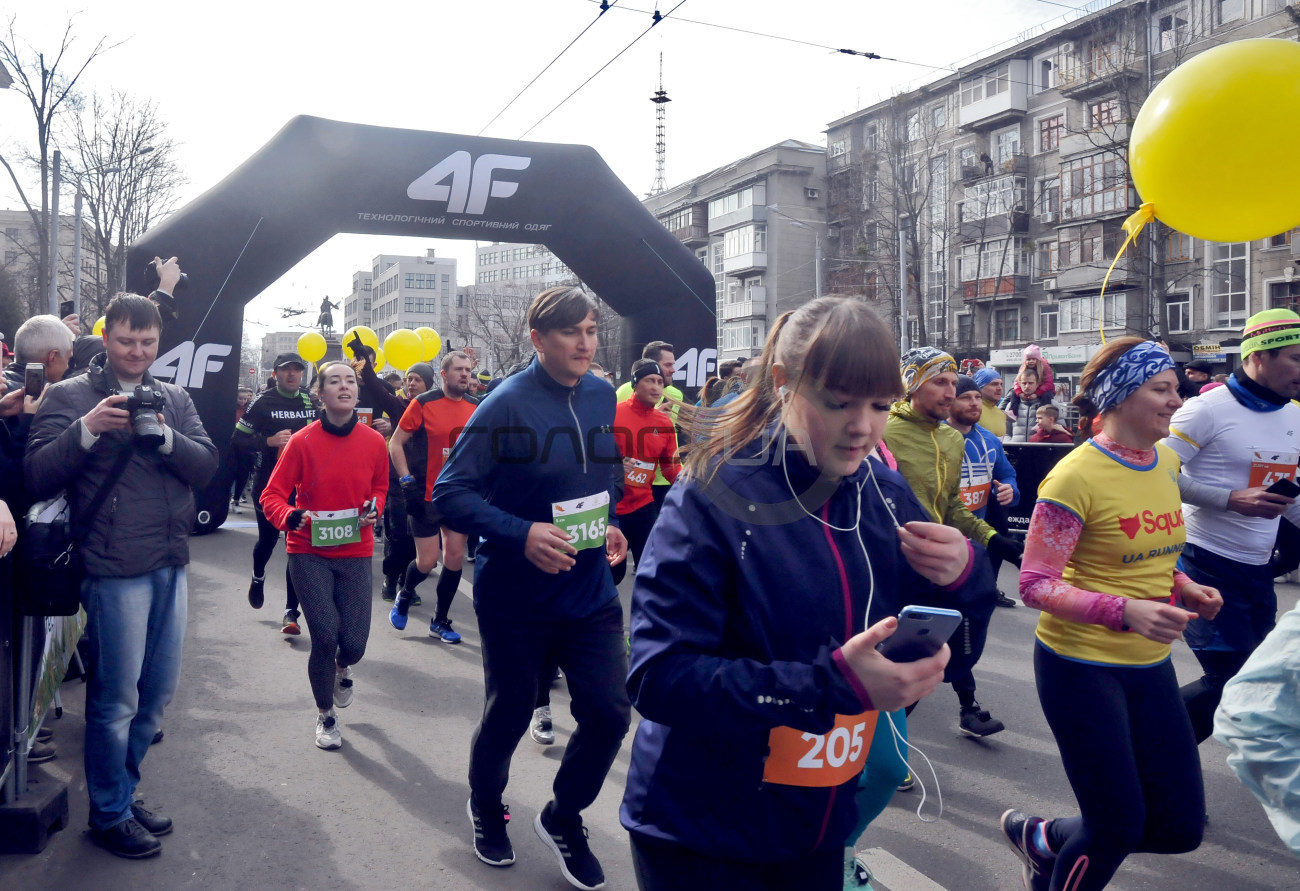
(135, 551)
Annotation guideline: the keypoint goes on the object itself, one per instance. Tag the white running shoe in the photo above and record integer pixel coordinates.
(327, 731)
(343, 687)
(541, 730)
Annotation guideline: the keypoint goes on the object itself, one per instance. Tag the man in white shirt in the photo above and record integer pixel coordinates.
(1236, 442)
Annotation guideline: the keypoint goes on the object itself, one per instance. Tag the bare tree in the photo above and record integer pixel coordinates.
(48, 84)
(494, 321)
(128, 175)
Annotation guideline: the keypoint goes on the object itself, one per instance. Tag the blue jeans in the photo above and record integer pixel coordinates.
(135, 630)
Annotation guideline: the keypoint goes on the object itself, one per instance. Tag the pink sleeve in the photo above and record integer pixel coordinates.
(1053, 534)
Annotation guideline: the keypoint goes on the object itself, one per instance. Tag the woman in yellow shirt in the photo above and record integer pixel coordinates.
(1100, 563)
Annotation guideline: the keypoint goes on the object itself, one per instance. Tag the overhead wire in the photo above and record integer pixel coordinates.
(848, 52)
(657, 19)
(605, 6)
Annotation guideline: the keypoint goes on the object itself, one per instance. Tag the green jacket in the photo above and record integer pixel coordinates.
(929, 457)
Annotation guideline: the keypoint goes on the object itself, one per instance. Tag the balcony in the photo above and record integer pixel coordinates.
(754, 307)
(1083, 78)
(693, 236)
(1087, 277)
(1007, 287)
(995, 225)
(1008, 105)
(755, 213)
(743, 263)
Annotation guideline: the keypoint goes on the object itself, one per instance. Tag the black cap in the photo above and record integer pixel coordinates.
(1200, 365)
(289, 359)
(966, 383)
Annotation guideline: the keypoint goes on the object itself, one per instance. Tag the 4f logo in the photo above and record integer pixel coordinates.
(472, 183)
(187, 365)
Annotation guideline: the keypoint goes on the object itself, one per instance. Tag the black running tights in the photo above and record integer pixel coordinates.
(336, 603)
(1127, 747)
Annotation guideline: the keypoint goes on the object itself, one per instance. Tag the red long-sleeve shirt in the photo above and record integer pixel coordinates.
(329, 472)
(645, 434)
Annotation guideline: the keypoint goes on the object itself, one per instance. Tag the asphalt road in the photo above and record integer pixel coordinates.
(257, 805)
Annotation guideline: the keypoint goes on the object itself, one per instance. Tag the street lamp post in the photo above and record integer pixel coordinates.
(54, 235)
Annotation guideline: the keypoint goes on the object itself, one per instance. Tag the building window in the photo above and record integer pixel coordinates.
(1103, 113)
(1088, 245)
(679, 220)
(1171, 29)
(1283, 295)
(870, 237)
(869, 135)
(837, 148)
(914, 126)
(1179, 310)
(939, 116)
(1007, 143)
(1049, 198)
(1084, 313)
(1228, 11)
(744, 240)
(966, 156)
(731, 203)
(1092, 185)
(936, 316)
(1049, 132)
(965, 328)
(11, 257)
(1278, 241)
(999, 259)
(1045, 259)
(1178, 247)
(914, 332)
(1048, 316)
(870, 192)
(1046, 75)
(993, 197)
(986, 85)
(1006, 324)
(1228, 284)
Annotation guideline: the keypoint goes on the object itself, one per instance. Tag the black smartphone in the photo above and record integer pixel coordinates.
(922, 631)
(65, 309)
(1286, 487)
(34, 380)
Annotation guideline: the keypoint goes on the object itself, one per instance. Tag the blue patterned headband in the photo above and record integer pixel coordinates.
(1119, 380)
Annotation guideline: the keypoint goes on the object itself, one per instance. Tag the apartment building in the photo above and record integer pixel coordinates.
(996, 195)
(759, 224)
(403, 292)
(20, 250)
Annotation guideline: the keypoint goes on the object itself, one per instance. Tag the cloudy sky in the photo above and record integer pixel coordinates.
(742, 75)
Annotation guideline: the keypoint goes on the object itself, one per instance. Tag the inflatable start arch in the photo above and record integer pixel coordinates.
(318, 178)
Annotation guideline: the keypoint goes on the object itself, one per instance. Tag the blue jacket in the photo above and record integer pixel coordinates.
(740, 604)
(533, 442)
(984, 454)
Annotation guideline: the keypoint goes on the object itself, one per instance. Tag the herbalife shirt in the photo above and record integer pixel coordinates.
(1222, 443)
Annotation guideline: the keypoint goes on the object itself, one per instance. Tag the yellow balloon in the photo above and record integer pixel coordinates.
(311, 346)
(1213, 148)
(432, 343)
(379, 358)
(98, 330)
(367, 335)
(403, 348)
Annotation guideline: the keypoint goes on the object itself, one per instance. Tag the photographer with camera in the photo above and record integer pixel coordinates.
(117, 426)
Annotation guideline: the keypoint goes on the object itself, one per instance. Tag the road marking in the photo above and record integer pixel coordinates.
(896, 875)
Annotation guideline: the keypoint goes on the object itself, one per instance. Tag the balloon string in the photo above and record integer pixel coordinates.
(1133, 225)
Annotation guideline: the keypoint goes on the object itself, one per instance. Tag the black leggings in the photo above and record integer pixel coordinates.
(665, 866)
(336, 600)
(1127, 747)
(267, 538)
(636, 528)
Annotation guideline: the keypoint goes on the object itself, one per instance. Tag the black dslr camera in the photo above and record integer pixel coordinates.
(145, 404)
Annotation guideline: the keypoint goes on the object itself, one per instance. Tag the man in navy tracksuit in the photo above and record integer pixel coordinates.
(537, 473)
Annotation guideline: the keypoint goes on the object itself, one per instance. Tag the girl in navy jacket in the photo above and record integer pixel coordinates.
(758, 686)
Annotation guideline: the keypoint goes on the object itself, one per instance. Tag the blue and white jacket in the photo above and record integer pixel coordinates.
(741, 604)
(986, 460)
(531, 443)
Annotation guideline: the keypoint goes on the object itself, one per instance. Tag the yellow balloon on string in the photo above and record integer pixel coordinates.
(379, 358)
(432, 343)
(98, 330)
(367, 335)
(1213, 147)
